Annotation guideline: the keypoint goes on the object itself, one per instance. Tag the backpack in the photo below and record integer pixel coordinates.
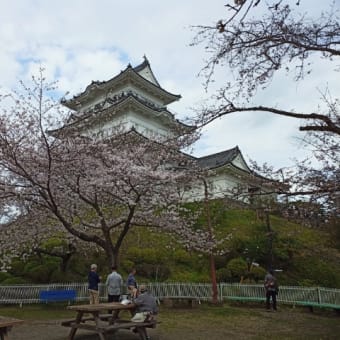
(270, 284)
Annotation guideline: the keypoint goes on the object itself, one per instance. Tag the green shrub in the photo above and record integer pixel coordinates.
(317, 272)
(17, 267)
(189, 276)
(153, 272)
(307, 283)
(221, 261)
(180, 256)
(223, 275)
(258, 273)
(238, 267)
(40, 274)
(145, 255)
(14, 281)
(4, 276)
(126, 265)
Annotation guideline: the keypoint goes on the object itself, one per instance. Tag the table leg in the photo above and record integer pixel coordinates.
(96, 318)
(4, 333)
(142, 333)
(74, 329)
(102, 335)
(115, 316)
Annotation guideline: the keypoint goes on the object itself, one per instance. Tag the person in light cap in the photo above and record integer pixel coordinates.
(145, 301)
(142, 288)
(93, 280)
(146, 310)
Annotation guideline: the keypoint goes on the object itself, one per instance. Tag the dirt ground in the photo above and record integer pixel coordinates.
(52, 330)
(238, 324)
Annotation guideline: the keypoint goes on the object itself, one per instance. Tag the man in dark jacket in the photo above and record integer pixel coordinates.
(93, 280)
(272, 289)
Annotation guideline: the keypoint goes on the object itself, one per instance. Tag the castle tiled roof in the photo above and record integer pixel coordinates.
(144, 65)
(218, 159)
(134, 72)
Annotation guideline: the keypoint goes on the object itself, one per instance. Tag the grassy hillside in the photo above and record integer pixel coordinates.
(305, 256)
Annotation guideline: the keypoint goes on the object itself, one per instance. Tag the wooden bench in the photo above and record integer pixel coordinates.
(6, 325)
(101, 323)
(127, 324)
(68, 323)
(57, 295)
(119, 324)
(103, 317)
(137, 327)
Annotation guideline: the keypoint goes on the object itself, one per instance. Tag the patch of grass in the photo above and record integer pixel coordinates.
(254, 323)
(36, 312)
(201, 322)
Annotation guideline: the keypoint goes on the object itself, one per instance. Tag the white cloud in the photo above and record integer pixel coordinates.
(78, 41)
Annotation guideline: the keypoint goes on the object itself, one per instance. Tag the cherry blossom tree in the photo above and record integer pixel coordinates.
(87, 190)
(256, 48)
(254, 41)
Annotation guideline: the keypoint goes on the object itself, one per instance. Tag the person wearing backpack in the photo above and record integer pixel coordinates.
(272, 289)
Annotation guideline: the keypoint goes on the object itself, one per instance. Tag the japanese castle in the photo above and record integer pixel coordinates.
(135, 100)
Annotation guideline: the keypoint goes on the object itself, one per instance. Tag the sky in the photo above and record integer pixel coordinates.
(78, 41)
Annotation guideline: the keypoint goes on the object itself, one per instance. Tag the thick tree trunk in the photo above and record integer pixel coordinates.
(112, 256)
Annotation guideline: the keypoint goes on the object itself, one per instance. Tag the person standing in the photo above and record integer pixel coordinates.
(93, 280)
(131, 283)
(114, 284)
(272, 289)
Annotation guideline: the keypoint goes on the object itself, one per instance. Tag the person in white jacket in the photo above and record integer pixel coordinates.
(114, 284)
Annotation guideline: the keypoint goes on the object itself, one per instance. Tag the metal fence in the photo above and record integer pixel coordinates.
(311, 296)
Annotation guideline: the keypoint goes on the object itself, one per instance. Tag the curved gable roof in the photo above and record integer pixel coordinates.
(144, 69)
(232, 156)
(135, 73)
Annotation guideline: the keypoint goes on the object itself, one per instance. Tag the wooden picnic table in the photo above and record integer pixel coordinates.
(104, 318)
(6, 325)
